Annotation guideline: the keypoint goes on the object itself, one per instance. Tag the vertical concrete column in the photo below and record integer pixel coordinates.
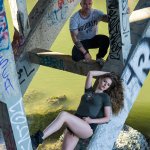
(20, 16)
(125, 28)
(6, 129)
(134, 74)
(119, 35)
(10, 92)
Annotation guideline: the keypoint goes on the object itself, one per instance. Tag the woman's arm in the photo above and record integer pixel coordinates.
(90, 76)
(105, 119)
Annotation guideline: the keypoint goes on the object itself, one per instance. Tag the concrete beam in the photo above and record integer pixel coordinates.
(62, 62)
(10, 92)
(134, 74)
(20, 17)
(47, 27)
(119, 32)
(137, 28)
(140, 15)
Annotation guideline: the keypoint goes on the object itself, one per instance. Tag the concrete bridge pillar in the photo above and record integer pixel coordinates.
(10, 93)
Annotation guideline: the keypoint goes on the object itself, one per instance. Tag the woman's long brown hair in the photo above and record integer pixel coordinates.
(115, 92)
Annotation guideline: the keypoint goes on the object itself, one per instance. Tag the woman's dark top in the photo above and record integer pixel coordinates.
(92, 104)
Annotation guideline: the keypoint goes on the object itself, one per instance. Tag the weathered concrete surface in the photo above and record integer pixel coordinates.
(20, 16)
(119, 32)
(133, 77)
(137, 28)
(6, 129)
(48, 26)
(10, 92)
(62, 62)
(128, 139)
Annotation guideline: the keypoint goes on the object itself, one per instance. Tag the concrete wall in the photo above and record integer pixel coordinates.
(10, 92)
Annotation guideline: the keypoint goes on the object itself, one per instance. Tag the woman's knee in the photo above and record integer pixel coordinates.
(90, 133)
(63, 113)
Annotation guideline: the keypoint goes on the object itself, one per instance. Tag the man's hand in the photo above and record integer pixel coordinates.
(87, 56)
(105, 18)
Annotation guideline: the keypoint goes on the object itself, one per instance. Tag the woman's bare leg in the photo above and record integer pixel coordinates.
(78, 126)
(70, 141)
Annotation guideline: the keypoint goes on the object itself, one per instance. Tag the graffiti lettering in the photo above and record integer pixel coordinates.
(70, 1)
(4, 40)
(27, 73)
(114, 29)
(137, 70)
(124, 4)
(58, 14)
(125, 18)
(60, 4)
(18, 118)
(52, 62)
(5, 75)
(142, 59)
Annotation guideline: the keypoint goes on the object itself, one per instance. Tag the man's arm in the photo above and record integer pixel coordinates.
(79, 45)
(105, 18)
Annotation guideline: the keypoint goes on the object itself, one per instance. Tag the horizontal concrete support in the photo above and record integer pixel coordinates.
(139, 15)
(138, 27)
(62, 62)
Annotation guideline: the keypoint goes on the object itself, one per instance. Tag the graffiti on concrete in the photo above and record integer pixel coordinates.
(24, 73)
(125, 18)
(18, 118)
(114, 30)
(5, 75)
(4, 40)
(141, 61)
(137, 70)
(59, 12)
(52, 62)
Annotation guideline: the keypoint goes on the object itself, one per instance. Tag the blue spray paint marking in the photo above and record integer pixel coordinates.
(58, 14)
(4, 37)
(5, 74)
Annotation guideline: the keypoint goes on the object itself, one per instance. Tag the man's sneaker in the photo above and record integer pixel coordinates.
(36, 139)
(100, 61)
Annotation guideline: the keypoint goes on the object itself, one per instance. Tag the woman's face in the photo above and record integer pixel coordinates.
(104, 83)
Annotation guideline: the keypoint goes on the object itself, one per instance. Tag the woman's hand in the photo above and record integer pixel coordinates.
(87, 119)
(90, 76)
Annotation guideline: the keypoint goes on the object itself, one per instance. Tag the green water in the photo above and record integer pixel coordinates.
(51, 82)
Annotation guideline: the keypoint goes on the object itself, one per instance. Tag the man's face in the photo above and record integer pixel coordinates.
(86, 4)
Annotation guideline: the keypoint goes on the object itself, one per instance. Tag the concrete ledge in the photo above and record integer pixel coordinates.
(62, 62)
